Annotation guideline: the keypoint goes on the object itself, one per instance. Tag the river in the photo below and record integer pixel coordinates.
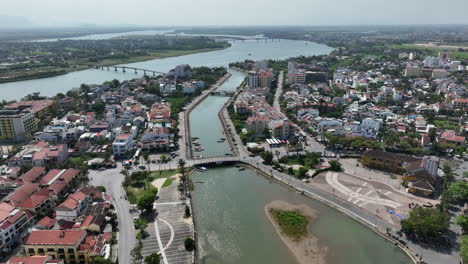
(239, 51)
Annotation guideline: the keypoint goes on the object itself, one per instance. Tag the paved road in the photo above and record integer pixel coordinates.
(112, 180)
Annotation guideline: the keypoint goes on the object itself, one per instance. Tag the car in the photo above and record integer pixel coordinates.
(142, 167)
(153, 161)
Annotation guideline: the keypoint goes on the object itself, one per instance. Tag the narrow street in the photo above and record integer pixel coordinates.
(112, 180)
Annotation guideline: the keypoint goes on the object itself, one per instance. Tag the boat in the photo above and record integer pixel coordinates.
(199, 156)
(220, 141)
(241, 169)
(222, 138)
(199, 148)
(194, 138)
(201, 168)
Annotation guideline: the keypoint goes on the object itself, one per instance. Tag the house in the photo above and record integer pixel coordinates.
(71, 208)
(38, 204)
(46, 223)
(33, 174)
(40, 154)
(22, 193)
(14, 225)
(449, 136)
(386, 161)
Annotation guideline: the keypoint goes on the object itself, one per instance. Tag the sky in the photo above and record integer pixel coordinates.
(238, 12)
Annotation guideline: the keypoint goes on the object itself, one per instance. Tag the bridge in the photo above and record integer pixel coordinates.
(125, 68)
(223, 93)
(257, 39)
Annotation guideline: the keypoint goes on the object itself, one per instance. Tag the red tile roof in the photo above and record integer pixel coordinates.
(29, 260)
(55, 237)
(22, 193)
(33, 201)
(33, 174)
(46, 222)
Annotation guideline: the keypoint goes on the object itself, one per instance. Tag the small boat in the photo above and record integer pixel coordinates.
(194, 138)
(250, 54)
(201, 168)
(241, 169)
(199, 148)
(199, 156)
(222, 138)
(220, 141)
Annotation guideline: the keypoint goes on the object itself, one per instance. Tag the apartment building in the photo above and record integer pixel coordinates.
(16, 124)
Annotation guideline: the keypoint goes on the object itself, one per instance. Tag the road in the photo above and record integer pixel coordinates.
(112, 180)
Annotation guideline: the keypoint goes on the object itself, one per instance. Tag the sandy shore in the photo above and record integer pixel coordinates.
(309, 250)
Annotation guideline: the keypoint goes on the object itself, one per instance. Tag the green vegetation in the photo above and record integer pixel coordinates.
(462, 221)
(292, 223)
(101, 260)
(464, 248)
(60, 57)
(308, 160)
(458, 191)
(168, 182)
(426, 223)
(267, 157)
(152, 259)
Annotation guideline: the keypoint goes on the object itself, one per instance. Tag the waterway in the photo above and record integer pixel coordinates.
(232, 226)
(239, 51)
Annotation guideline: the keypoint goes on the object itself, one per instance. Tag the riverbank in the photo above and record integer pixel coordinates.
(307, 249)
(52, 72)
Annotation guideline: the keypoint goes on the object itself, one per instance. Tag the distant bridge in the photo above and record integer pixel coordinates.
(223, 93)
(125, 68)
(257, 39)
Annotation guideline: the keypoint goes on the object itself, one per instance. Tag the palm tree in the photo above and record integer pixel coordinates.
(147, 160)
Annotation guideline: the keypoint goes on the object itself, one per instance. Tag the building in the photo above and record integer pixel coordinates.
(71, 208)
(34, 260)
(13, 226)
(183, 71)
(450, 136)
(387, 161)
(122, 144)
(252, 79)
(72, 246)
(265, 79)
(16, 124)
(40, 108)
(40, 154)
(460, 103)
(262, 64)
(439, 73)
(413, 70)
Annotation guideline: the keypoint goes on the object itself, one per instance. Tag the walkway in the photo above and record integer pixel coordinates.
(170, 229)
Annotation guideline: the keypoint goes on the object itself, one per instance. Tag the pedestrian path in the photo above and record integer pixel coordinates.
(170, 229)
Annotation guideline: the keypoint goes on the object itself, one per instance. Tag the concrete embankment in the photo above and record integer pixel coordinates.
(192, 105)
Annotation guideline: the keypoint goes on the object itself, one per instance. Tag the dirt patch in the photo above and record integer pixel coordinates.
(307, 250)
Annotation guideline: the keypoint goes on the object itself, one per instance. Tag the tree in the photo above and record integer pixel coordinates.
(187, 211)
(147, 160)
(301, 172)
(462, 221)
(101, 260)
(189, 244)
(464, 249)
(145, 202)
(267, 157)
(152, 259)
(181, 163)
(335, 165)
(458, 191)
(101, 188)
(426, 223)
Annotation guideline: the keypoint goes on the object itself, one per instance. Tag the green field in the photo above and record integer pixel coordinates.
(138, 189)
(292, 223)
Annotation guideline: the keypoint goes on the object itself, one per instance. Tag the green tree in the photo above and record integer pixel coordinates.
(458, 191)
(145, 202)
(464, 248)
(267, 157)
(189, 244)
(426, 223)
(462, 221)
(101, 188)
(152, 259)
(335, 165)
(301, 172)
(101, 260)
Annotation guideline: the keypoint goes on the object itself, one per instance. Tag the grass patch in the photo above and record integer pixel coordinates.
(292, 223)
(168, 182)
(162, 174)
(135, 192)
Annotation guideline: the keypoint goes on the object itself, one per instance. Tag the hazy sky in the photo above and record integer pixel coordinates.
(239, 12)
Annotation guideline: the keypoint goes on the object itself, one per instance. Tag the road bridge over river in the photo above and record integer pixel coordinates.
(125, 68)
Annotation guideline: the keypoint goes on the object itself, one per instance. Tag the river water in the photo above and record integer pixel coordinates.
(232, 226)
(229, 204)
(239, 51)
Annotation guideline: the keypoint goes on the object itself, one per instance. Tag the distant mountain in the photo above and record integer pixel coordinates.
(14, 22)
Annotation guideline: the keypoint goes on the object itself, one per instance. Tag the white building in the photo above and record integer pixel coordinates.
(122, 144)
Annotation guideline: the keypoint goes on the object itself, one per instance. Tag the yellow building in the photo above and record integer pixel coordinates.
(73, 246)
(16, 124)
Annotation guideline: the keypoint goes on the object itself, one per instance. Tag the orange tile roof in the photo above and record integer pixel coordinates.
(55, 237)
